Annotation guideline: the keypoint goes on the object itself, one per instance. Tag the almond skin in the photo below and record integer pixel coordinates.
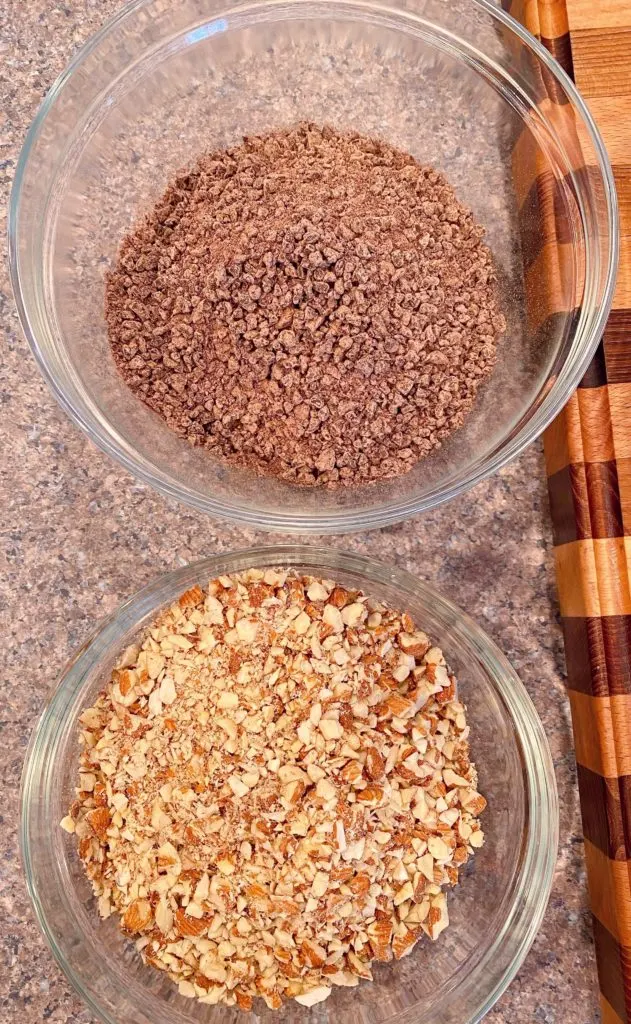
(138, 916)
(189, 927)
(375, 764)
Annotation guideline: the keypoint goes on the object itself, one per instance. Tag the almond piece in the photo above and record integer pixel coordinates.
(351, 772)
(313, 953)
(164, 916)
(400, 706)
(244, 1001)
(316, 592)
(189, 927)
(416, 644)
(320, 884)
(339, 597)
(190, 598)
(238, 787)
(375, 764)
(138, 916)
(403, 944)
(246, 630)
(360, 883)
(353, 614)
(301, 623)
(379, 935)
(99, 821)
(370, 795)
(330, 729)
(332, 616)
(313, 996)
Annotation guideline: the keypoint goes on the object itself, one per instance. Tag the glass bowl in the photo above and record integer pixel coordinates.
(458, 83)
(495, 911)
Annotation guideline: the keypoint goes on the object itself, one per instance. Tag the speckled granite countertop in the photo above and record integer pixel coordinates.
(79, 535)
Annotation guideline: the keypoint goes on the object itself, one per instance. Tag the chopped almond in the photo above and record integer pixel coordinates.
(304, 751)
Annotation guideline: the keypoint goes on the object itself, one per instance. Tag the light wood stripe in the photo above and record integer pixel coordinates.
(551, 282)
(595, 424)
(553, 18)
(614, 128)
(601, 59)
(607, 1013)
(582, 432)
(530, 16)
(624, 488)
(610, 892)
(620, 412)
(576, 579)
(556, 440)
(528, 159)
(588, 14)
(593, 577)
(602, 732)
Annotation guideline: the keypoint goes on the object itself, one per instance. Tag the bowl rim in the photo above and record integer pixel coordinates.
(536, 868)
(338, 520)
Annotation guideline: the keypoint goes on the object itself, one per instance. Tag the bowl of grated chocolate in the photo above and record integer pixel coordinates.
(313, 266)
(289, 783)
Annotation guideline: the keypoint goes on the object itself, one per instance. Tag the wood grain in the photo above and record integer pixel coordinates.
(617, 348)
(609, 889)
(602, 732)
(607, 1013)
(620, 407)
(607, 108)
(601, 58)
(588, 461)
(594, 14)
(624, 488)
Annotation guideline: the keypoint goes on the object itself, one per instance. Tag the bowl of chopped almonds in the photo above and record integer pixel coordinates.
(289, 782)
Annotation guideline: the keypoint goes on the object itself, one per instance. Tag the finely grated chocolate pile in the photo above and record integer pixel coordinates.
(310, 304)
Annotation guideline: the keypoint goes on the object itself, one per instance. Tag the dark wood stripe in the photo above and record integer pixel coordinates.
(585, 502)
(613, 962)
(554, 91)
(605, 511)
(515, 8)
(561, 49)
(569, 506)
(596, 373)
(598, 654)
(543, 216)
(550, 211)
(624, 783)
(617, 346)
(554, 329)
(606, 810)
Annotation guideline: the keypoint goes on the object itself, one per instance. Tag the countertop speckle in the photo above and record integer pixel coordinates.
(79, 536)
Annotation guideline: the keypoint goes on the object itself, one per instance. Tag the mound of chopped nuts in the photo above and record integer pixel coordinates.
(275, 788)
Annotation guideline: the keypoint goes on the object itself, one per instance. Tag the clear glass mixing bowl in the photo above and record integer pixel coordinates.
(458, 83)
(494, 912)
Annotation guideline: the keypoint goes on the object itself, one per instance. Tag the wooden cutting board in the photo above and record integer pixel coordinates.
(588, 461)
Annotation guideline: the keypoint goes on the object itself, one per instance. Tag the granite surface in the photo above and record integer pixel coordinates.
(79, 535)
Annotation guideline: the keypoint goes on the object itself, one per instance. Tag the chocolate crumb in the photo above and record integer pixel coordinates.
(310, 304)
